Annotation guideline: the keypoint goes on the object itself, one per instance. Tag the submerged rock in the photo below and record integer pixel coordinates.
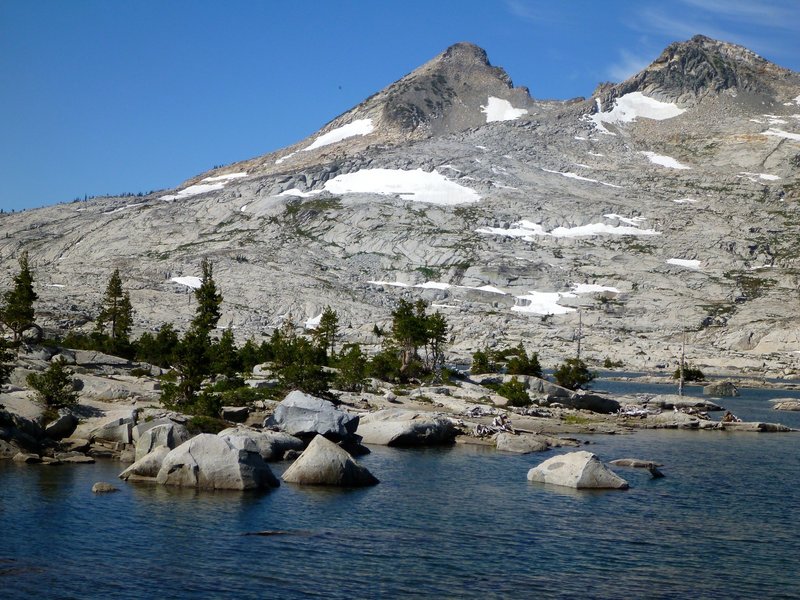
(580, 470)
(398, 427)
(791, 404)
(102, 487)
(636, 463)
(211, 462)
(325, 463)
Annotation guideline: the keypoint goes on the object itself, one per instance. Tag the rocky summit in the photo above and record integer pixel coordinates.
(662, 204)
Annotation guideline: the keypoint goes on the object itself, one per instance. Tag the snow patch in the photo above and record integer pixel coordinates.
(433, 285)
(55, 285)
(189, 281)
(194, 190)
(680, 262)
(416, 185)
(665, 161)
(313, 322)
(497, 109)
(357, 127)
(227, 177)
(631, 106)
(627, 220)
(569, 175)
(527, 230)
(212, 184)
(121, 208)
(754, 177)
(287, 157)
(685, 201)
(390, 283)
(299, 193)
(782, 134)
(542, 303)
(592, 288)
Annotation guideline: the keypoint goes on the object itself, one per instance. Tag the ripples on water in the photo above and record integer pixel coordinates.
(444, 523)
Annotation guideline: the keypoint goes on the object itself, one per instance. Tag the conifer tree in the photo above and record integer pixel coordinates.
(117, 312)
(225, 358)
(193, 355)
(208, 300)
(325, 333)
(17, 311)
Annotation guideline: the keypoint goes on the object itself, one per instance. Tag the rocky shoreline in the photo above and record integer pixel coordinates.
(119, 417)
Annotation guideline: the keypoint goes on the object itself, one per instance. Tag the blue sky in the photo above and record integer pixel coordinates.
(105, 97)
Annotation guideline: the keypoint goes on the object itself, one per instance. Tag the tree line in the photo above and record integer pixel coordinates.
(204, 369)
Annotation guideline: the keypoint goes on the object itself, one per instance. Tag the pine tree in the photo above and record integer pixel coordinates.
(208, 300)
(194, 354)
(436, 329)
(117, 312)
(325, 333)
(17, 312)
(225, 358)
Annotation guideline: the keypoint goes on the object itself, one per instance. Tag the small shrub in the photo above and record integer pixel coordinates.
(612, 364)
(481, 362)
(573, 374)
(54, 387)
(690, 373)
(515, 392)
(522, 364)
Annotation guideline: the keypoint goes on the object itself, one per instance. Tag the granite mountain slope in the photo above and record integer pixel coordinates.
(663, 203)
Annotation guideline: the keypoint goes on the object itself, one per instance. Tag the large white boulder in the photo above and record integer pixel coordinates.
(148, 466)
(398, 427)
(210, 462)
(170, 435)
(325, 463)
(303, 415)
(581, 470)
(272, 445)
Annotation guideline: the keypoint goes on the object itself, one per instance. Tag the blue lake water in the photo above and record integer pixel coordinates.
(460, 522)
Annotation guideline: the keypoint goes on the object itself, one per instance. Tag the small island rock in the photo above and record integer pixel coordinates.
(102, 487)
(398, 427)
(580, 470)
(208, 461)
(325, 463)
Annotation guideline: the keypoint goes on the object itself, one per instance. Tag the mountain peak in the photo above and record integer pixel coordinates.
(690, 70)
(446, 94)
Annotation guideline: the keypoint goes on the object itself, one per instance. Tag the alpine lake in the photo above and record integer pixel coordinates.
(453, 522)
